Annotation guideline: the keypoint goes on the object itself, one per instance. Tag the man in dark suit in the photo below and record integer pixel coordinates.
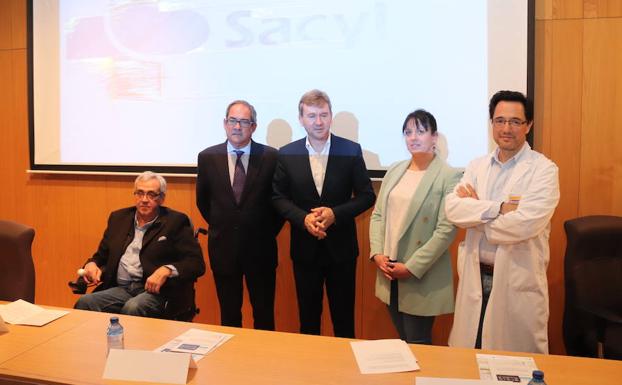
(320, 185)
(234, 187)
(148, 255)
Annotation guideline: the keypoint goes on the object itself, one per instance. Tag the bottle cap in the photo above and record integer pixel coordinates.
(538, 374)
(114, 319)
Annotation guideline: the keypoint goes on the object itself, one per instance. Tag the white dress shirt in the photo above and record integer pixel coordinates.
(318, 162)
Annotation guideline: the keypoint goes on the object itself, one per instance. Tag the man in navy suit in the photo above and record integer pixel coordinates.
(320, 185)
(234, 187)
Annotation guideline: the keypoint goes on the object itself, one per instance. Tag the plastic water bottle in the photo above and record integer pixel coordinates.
(114, 334)
(537, 378)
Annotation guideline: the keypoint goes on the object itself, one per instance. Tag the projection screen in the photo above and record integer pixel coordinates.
(124, 86)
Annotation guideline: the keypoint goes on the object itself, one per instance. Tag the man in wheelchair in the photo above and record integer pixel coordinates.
(147, 260)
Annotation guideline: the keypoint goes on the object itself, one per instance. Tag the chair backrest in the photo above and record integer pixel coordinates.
(593, 277)
(17, 271)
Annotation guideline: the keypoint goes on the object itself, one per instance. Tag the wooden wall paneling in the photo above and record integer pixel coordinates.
(180, 194)
(286, 305)
(119, 192)
(16, 136)
(567, 9)
(7, 121)
(55, 219)
(601, 155)
(602, 8)
(544, 9)
(543, 68)
(6, 41)
(565, 128)
(91, 222)
(18, 23)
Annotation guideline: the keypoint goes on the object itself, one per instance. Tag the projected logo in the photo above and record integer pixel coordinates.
(129, 38)
(137, 29)
(145, 47)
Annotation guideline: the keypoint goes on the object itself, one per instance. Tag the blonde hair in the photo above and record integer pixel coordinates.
(314, 98)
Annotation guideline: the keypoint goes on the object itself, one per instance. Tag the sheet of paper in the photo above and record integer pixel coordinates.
(3, 327)
(147, 366)
(506, 368)
(451, 381)
(384, 356)
(195, 341)
(21, 312)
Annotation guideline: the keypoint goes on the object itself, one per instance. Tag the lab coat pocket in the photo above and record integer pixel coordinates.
(523, 272)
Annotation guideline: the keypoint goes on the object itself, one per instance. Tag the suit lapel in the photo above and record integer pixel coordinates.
(305, 166)
(222, 168)
(154, 229)
(254, 164)
(332, 166)
(127, 234)
(422, 191)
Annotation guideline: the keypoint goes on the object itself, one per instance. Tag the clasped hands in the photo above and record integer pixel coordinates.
(391, 269)
(92, 276)
(319, 220)
(467, 191)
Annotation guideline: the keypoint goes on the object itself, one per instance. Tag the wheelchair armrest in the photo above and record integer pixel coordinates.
(198, 231)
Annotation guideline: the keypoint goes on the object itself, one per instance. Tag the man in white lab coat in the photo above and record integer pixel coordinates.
(505, 200)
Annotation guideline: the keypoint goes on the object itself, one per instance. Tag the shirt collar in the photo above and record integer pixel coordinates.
(246, 149)
(312, 150)
(495, 155)
(146, 225)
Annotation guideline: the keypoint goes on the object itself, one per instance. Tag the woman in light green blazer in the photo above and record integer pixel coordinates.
(410, 235)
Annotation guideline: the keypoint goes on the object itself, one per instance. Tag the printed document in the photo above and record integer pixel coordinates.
(21, 312)
(506, 368)
(196, 342)
(384, 356)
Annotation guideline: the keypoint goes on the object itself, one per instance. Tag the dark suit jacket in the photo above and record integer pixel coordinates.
(168, 241)
(347, 190)
(239, 233)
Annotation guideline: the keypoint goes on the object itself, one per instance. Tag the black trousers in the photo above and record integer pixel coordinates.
(340, 278)
(260, 285)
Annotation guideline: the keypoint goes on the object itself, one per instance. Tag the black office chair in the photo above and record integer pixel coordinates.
(593, 280)
(182, 308)
(17, 270)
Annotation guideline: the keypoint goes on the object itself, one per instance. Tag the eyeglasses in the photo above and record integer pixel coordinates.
(514, 123)
(244, 123)
(151, 195)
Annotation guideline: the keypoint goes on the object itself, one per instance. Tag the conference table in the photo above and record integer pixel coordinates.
(72, 350)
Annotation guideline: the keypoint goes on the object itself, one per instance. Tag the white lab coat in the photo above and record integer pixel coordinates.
(518, 308)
